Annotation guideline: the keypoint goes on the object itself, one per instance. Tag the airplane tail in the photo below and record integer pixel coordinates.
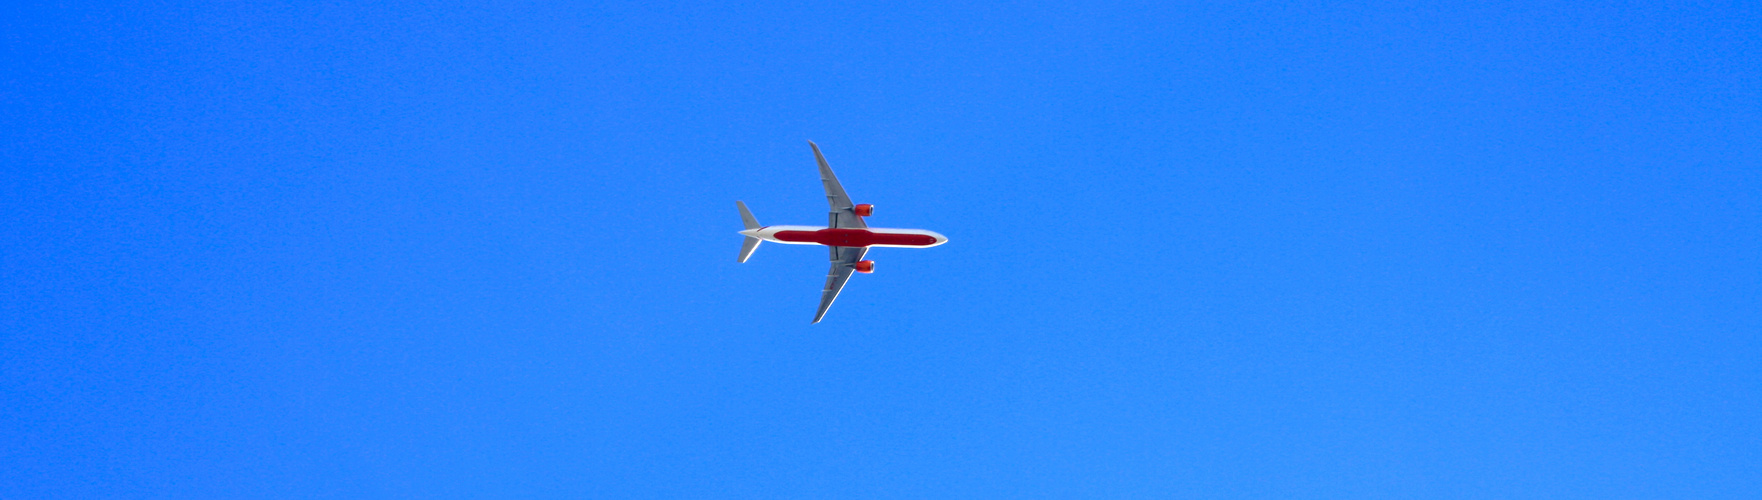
(747, 247)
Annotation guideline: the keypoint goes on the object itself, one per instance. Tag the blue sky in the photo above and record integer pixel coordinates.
(1249, 250)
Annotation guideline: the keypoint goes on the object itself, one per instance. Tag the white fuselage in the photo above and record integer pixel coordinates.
(848, 237)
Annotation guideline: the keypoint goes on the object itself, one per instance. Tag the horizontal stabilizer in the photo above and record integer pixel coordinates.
(746, 216)
(747, 247)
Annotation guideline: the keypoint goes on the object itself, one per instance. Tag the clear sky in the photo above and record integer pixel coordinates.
(1237, 250)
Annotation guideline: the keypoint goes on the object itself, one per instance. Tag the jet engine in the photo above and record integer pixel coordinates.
(864, 210)
(865, 266)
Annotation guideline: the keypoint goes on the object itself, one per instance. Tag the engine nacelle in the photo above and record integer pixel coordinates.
(865, 210)
(865, 266)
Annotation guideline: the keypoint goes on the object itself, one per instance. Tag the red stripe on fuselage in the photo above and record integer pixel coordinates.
(855, 238)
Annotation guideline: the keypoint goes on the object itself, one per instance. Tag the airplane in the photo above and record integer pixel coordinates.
(847, 234)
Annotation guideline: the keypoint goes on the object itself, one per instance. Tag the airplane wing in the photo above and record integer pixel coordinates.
(844, 261)
(843, 212)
